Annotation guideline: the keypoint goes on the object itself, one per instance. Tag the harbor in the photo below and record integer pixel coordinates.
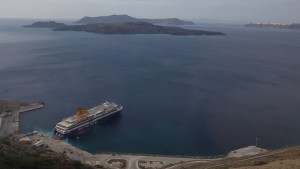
(250, 154)
(9, 123)
(10, 128)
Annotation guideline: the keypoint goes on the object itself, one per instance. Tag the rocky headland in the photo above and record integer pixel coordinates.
(47, 24)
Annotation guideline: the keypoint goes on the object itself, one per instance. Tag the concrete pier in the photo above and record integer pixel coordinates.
(32, 106)
(10, 121)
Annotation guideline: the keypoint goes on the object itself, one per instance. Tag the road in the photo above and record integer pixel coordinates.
(10, 124)
(132, 160)
(101, 159)
(190, 163)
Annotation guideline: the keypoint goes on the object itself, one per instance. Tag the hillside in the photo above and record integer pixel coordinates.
(287, 158)
(16, 155)
(126, 18)
(134, 28)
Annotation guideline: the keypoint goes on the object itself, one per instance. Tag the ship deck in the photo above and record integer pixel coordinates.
(65, 124)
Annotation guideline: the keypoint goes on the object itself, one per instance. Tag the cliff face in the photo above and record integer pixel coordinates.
(126, 18)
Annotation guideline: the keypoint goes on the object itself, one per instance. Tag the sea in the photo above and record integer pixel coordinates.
(182, 95)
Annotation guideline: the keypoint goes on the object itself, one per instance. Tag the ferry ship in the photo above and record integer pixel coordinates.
(85, 119)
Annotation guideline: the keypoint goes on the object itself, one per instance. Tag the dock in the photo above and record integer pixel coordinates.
(9, 121)
(32, 106)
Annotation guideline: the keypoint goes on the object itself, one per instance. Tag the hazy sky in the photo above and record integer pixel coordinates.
(241, 10)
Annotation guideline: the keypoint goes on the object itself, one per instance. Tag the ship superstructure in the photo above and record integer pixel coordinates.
(85, 119)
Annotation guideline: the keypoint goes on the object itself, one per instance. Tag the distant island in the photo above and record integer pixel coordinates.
(274, 25)
(122, 28)
(134, 28)
(126, 18)
(48, 24)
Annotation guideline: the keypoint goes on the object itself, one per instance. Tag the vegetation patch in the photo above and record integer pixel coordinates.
(119, 163)
(258, 163)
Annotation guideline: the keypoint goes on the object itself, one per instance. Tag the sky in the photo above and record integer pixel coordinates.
(275, 11)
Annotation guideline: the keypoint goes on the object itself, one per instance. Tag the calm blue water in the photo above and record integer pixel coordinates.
(183, 95)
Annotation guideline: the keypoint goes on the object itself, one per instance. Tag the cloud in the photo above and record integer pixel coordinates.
(248, 10)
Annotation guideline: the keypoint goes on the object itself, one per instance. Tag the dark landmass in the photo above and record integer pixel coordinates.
(18, 155)
(134, 28)
(168, 21)
(270, 25)
(47, 24)
(126, 18)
